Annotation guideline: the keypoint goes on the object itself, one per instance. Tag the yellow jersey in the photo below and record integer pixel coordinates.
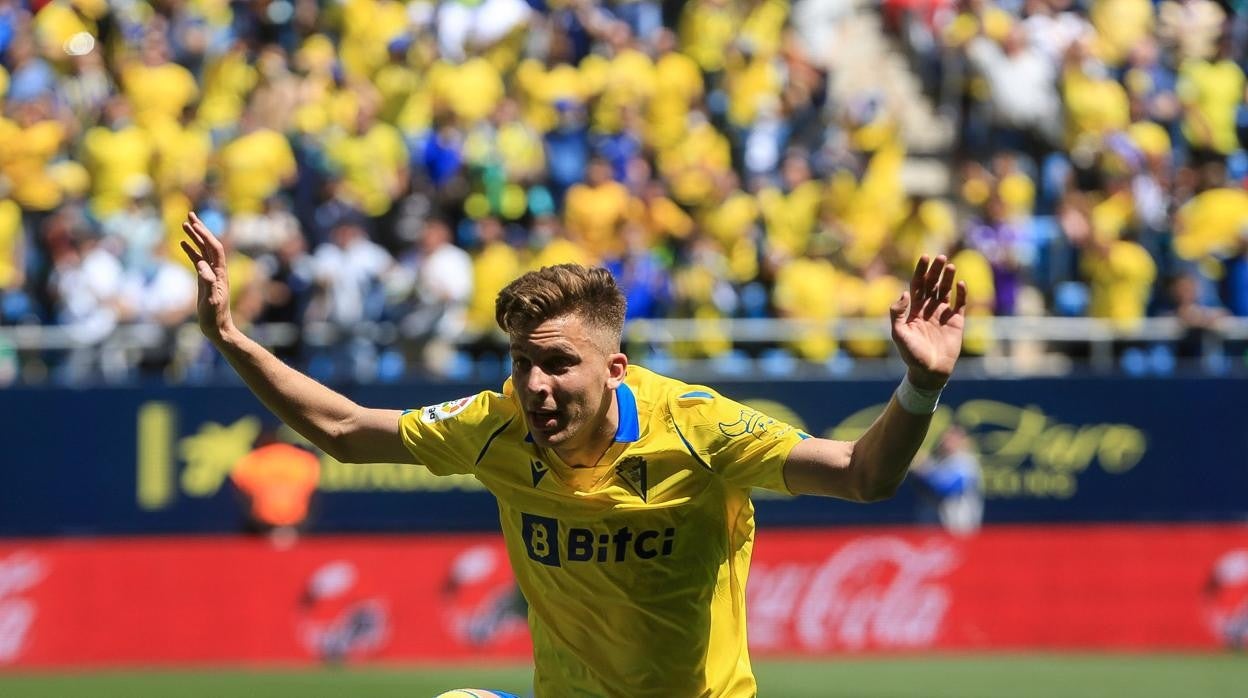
(636, 582)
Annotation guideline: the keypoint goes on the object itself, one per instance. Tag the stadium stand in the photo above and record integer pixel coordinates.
(378, 169)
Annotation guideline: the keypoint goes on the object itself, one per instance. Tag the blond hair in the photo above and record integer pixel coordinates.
(562, 289)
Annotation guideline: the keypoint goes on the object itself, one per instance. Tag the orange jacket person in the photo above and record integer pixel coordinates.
(278, 480)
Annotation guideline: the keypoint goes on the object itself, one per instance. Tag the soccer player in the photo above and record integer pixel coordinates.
(623, 495)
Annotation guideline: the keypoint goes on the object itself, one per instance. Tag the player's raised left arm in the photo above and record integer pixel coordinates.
(927, 329)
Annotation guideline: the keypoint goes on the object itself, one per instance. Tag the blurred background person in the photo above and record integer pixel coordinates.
(950, 484)
(276, 481)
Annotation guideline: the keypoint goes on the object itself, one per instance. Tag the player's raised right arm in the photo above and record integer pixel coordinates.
(337, 425)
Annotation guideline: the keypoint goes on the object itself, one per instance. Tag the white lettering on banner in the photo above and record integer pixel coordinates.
(18, 572)
(16, 617)
(877, 591)
(1226, 598)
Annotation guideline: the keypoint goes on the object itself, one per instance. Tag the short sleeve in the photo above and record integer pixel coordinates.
(743, 445)
(447, 438)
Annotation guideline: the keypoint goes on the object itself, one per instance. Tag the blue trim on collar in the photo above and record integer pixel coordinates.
(628, 429)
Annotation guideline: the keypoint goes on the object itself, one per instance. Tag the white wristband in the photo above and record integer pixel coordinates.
(916, 400)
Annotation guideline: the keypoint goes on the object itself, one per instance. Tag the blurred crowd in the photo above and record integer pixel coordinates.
(1101, 150)
(393, 164)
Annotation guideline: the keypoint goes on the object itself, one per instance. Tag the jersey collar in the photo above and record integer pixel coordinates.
(628, 429)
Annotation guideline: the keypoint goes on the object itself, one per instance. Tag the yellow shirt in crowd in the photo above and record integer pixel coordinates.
(543, 88)
(627, 81)
(790, 218)
(493, 267)
(870, 299)
(370, 164)
(1094, 106)
(1120, 25)
(706, 29)
(25, 154)
(182, 156)
(1211, 92)
(981, 298)
(253, 168)
(158, 93)
(1121, 281)
(593, 215)
(11, 262)
(116, 159)
(1211, 223)
(471, 90)
(808, 289)
(678, 84)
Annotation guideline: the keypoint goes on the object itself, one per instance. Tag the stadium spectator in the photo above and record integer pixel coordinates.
(158, 89)
(1190, 304)
(950, 484)
(277, 481)
(158, 294)
(348, 272)
(133, 229)
(495, 262)
(808, 288)
(254, 166)
(1120, 274)
(1023, 105)
(549, 245)
(866, 297)
(30, 76)
(1191, 27)
(116, 153)
(16, 306)
(595, 210)
(266, 231)
(981, 301)
(789, 210)
(641, 272)
(1153, 84)
(86, 283)
(1211, 91)
(664, 221)
(1236, 282)
(1004, 244)
(443, 276)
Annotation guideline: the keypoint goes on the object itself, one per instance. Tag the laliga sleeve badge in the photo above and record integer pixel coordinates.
(436, 413)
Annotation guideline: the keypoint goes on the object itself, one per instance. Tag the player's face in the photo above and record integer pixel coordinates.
(564, 380)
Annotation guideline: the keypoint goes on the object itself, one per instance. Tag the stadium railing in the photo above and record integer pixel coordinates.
(1016, 346)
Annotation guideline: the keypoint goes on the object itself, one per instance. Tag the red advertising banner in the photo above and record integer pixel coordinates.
(214, 600)
(1078, 587)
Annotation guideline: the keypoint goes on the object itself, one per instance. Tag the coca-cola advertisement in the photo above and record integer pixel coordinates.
(1114, 587)
(871, 592)
(813, 592)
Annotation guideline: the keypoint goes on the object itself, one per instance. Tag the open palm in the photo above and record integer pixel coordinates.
(208, 256)
(927, 326)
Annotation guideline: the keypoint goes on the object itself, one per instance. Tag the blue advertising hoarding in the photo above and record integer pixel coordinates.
(157, 460)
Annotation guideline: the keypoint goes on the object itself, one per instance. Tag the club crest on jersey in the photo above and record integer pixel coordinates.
(437, 413)
(632, 471)
(538, 470)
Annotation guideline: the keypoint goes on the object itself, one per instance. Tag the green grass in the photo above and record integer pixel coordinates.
(975, 676)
